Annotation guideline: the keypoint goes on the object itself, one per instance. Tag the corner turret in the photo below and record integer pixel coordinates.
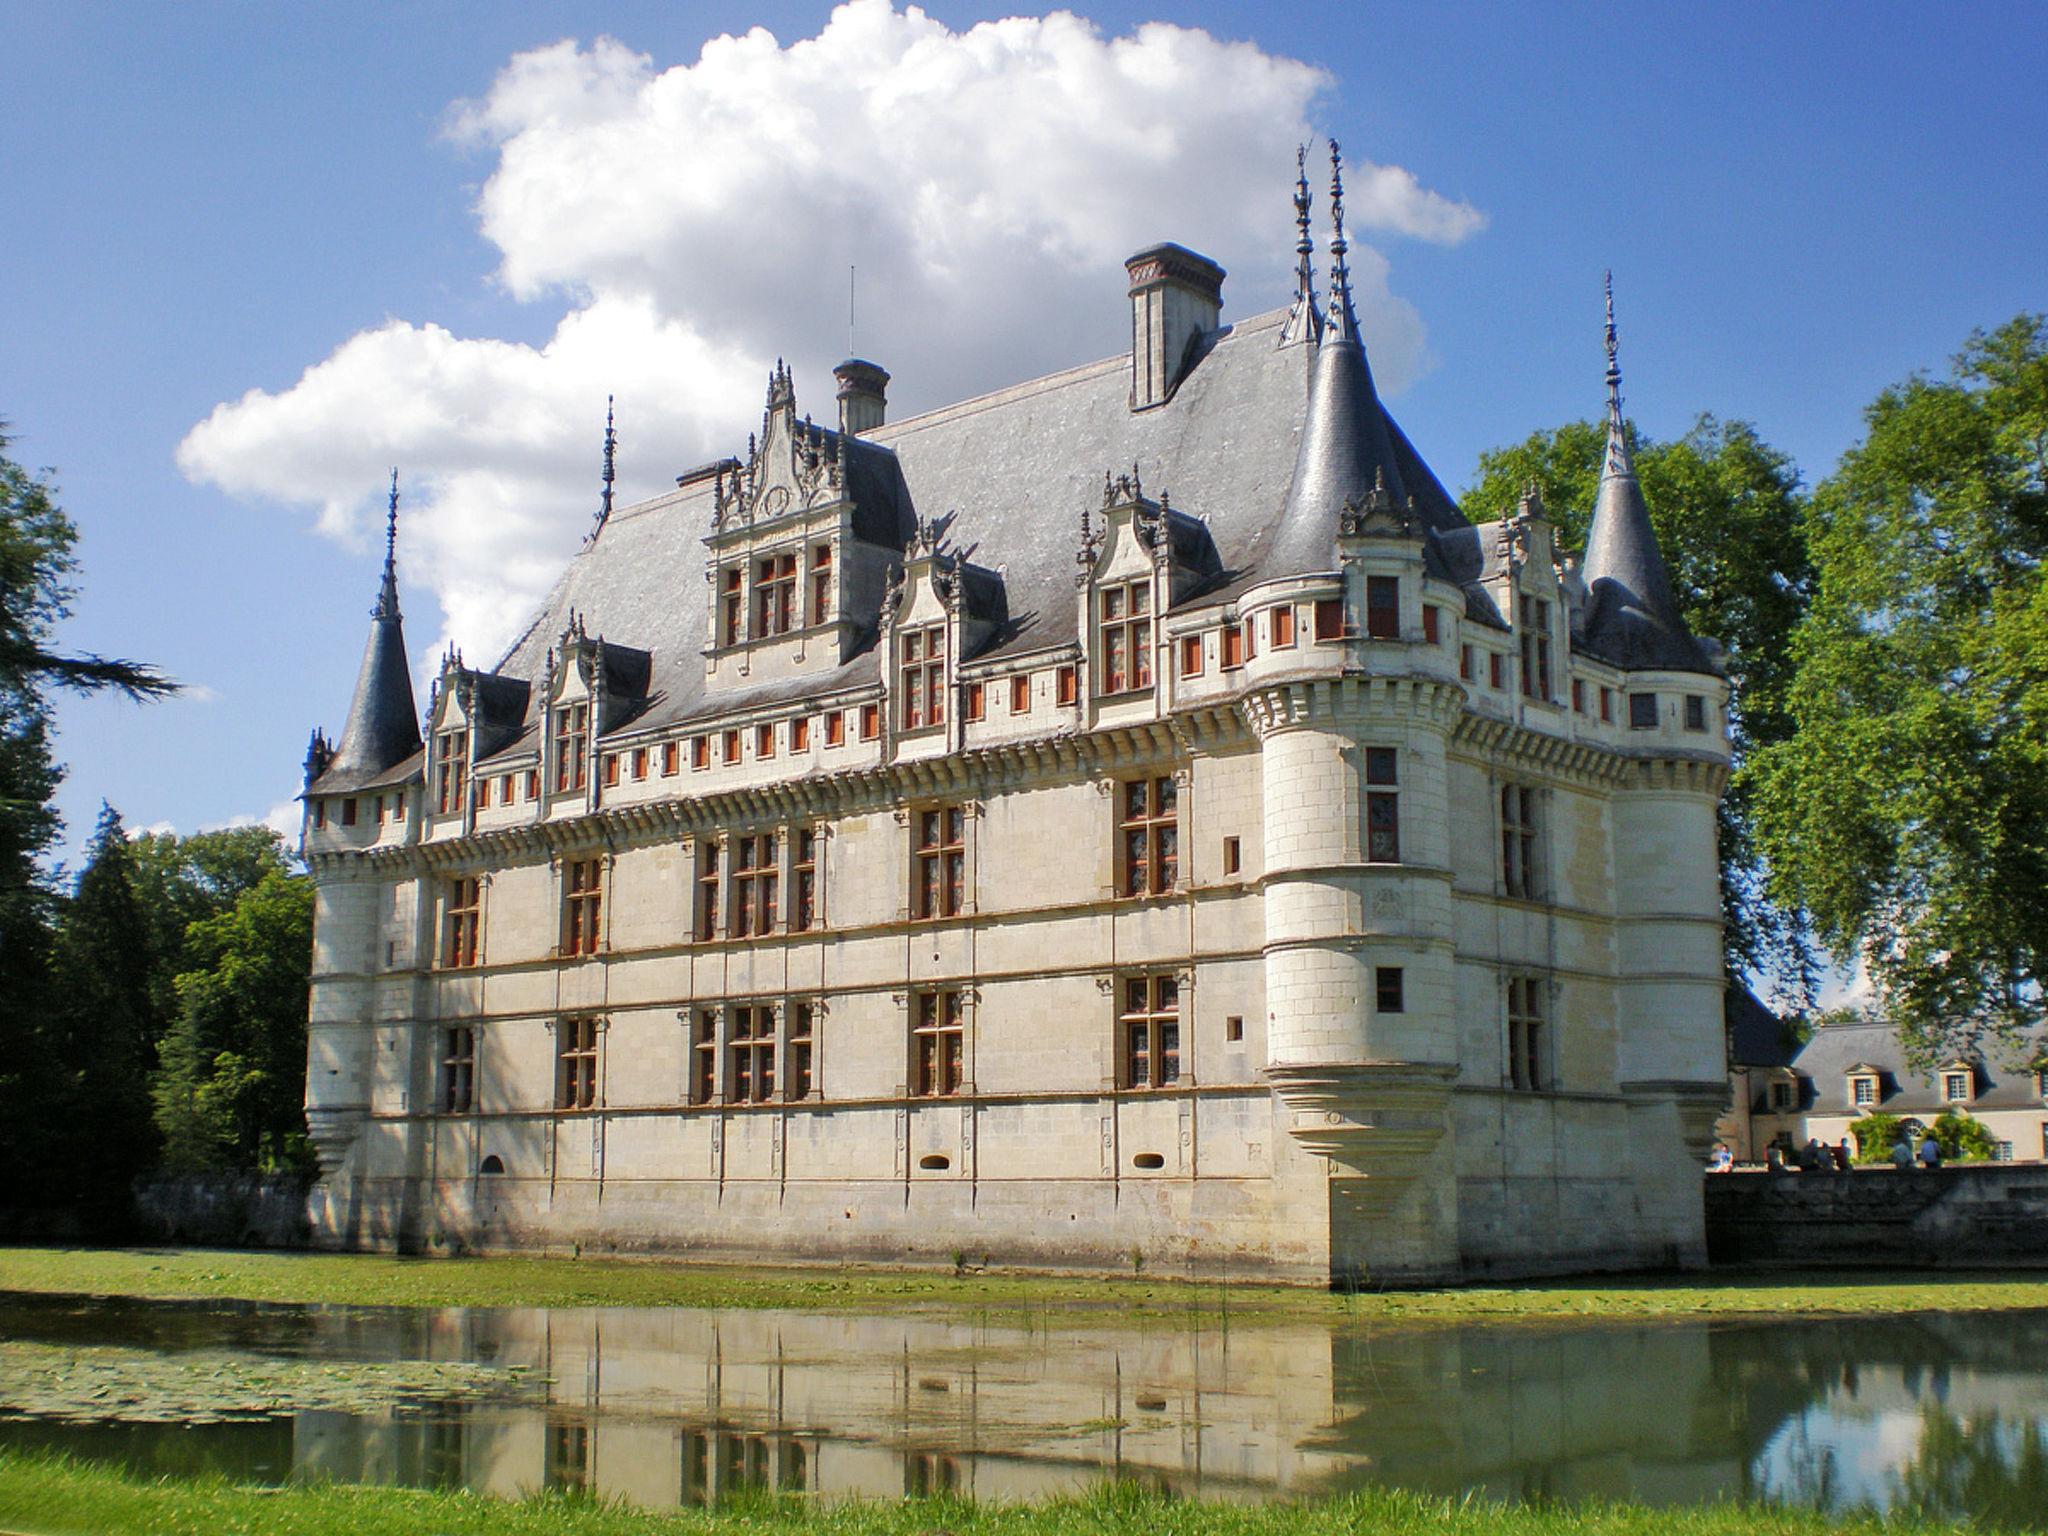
(1631, 617)
(383, 726)
(1346, 449)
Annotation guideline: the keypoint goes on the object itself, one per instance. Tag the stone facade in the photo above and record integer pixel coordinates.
(1289, 880)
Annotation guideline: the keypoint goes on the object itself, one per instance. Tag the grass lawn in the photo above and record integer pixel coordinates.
(373, 1279)
(55, 1497)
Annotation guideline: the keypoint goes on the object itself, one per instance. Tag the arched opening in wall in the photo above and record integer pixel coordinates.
(1149, 1161)
(492, 1164)
(936, 1162)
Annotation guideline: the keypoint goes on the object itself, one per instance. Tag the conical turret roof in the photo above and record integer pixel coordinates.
(1632, 617)
(1346, 449)
(383, 726)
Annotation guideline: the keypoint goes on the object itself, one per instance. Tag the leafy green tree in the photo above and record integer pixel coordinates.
(96, 1041)
(185, 880)
(1907, 809)
(1963, 1136)
(1876, 1133)
(1730, 519)
(232, 1090)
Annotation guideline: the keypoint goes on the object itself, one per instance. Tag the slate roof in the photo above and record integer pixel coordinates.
(383, 728)
(1757, 1037)
(1824, 1063)
(1016, 468)
(1631, 617)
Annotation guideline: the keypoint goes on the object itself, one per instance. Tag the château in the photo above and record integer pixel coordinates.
(1133, 818)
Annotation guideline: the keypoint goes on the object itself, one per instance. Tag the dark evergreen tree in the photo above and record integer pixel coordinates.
(97, 1044)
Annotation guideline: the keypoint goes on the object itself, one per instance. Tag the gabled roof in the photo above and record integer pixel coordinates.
(1838, 1052)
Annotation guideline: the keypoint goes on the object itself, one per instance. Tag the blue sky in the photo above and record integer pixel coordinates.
(1801, 204)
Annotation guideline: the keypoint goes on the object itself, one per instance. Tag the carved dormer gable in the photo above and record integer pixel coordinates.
(802, 535)
(573, 707)
(938, 609)
(1136, 560)
(791, 465)
(451, 742)
(1380, 514)
(1531, 587)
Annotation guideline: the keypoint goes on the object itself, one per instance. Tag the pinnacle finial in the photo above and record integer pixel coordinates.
(1343, 319)
(387, 593)
(1304, 246)
(611, 461)
(1613, 366)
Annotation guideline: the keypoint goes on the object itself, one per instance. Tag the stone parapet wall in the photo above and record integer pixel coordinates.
(1881, 1217)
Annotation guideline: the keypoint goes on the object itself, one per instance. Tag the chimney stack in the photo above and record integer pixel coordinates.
(1176, 295)
(863, 395)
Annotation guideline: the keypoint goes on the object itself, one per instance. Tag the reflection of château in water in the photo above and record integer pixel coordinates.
(687, 1407)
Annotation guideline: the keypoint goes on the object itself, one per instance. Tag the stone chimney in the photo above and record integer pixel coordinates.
(1176, 295)
(863, 395)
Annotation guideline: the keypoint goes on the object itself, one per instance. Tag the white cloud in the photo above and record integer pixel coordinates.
(698, 221)
(1851, 989)
(283, 818)
(198, 693)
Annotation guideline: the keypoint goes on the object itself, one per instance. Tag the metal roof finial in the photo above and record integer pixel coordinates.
(1305, 246)
(1343, 318)
(1613, 366)
(387, 594)
(611, 460)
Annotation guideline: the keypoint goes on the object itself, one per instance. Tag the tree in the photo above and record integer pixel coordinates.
(1907, 809)
(36, 567)
(1730, 519)
(232, 1090)
(95, 1042)
(185, 880)
(1963, 1136)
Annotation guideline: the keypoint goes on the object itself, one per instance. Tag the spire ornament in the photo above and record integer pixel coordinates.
(1619, 461)
(1613, 367)
(611, 459)
(387, 594)
(1343, 318)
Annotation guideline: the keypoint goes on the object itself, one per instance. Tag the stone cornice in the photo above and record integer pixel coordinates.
(1350, 697)
(980, 771)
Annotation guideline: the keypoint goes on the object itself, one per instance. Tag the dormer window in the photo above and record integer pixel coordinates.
(572, 743)
(731, 606)
(1956, 1085)
(821, 583)
(775, 595)
(1126, 637)
(923, 674)
(451, 754)
(1863, 1091)
(1535, 626)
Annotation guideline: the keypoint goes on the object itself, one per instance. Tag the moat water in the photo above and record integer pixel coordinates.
(666, 1407)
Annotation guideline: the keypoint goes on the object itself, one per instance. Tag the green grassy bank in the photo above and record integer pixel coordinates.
(377, 1280)
(50, 1496)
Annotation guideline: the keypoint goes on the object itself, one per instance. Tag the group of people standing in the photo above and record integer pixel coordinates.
(1816, 1156)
